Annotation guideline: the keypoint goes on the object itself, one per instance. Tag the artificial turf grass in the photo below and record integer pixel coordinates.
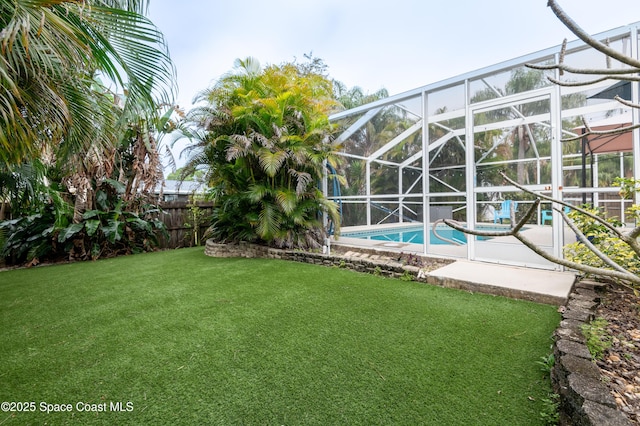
(194, 340)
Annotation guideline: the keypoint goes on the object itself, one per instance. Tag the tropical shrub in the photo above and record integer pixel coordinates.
(28, 237)
(603, 238)
(196, 218)
(113, 228)
(64, 132)
(613, 247)
(263, 137)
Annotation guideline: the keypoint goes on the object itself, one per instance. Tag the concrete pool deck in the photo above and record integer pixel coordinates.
(538, 285)
(537, 281)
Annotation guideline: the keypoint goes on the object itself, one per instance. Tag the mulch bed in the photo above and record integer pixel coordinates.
(620, 365)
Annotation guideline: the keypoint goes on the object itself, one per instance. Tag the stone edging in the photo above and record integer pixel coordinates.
(584, 398)
(374, 262)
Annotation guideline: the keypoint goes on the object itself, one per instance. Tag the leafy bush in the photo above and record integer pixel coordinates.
(591, 228)
(550, 415)
(28, 237)
(111, 229)
(264, 138)
(194, 220)
(604, 240)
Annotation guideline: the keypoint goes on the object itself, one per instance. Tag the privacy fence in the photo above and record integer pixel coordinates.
(186, 223)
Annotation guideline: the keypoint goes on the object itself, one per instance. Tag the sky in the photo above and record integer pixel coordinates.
(398, 45)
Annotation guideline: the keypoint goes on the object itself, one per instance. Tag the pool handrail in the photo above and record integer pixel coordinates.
(440, 237)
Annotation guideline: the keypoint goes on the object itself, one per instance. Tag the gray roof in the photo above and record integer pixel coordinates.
(180, 187)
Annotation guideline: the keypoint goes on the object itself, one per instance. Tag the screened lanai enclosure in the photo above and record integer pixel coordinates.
(410, 160)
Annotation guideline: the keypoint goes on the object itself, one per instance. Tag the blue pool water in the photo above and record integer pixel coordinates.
(409, 235)
(414, 235)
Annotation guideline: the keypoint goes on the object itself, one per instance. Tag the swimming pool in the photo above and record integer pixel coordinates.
(413, 235)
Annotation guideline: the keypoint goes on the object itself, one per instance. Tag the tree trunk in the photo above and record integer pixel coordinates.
(523, 144)
(82, 185)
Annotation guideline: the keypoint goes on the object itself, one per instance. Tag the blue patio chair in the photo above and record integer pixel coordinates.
(545, 215)
(505, 210)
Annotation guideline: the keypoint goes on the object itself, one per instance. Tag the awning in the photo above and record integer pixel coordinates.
(601, 144)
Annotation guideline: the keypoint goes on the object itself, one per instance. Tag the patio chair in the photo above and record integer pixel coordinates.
(505, 210)
(545, 215)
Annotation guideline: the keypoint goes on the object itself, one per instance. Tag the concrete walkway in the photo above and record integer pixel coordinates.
(538, 285)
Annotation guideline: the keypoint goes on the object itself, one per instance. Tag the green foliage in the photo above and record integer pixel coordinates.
(195, 219)
(263, 138)
(29, 188)
(598, 339)
(550, 415)
(614, 248)
(179, 175)
(49, 53)
(547, 363)
(628, 186)
(406, 276)
(590, 227)
(109, 230)
(113, 228)
(28, 237)
(603, 238)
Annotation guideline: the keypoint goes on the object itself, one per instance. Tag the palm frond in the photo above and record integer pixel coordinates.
(45, 49)
(287, 201)
(258, 192)
(238, 147)
(271, 162)
(268, 222)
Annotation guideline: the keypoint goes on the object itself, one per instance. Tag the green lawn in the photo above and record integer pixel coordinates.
(181, 338)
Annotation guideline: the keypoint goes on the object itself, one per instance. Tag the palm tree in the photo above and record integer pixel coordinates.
(50, 52)
(263, 138)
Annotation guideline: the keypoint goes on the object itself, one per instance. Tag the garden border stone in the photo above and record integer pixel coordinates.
(584, 399)
(370, 261)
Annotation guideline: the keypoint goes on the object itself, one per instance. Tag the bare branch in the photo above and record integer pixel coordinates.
(625, 102)
(564, 203)
(611, 132)
(563, 53)
(584, 240)
(610, 268)
(631, 239)
(582, 35)
(576, 83)
(626, 276)
(590, 82)
(634, 233)
(591, 71)
(518, 226)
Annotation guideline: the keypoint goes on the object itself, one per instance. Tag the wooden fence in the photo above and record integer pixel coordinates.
(179, 218)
